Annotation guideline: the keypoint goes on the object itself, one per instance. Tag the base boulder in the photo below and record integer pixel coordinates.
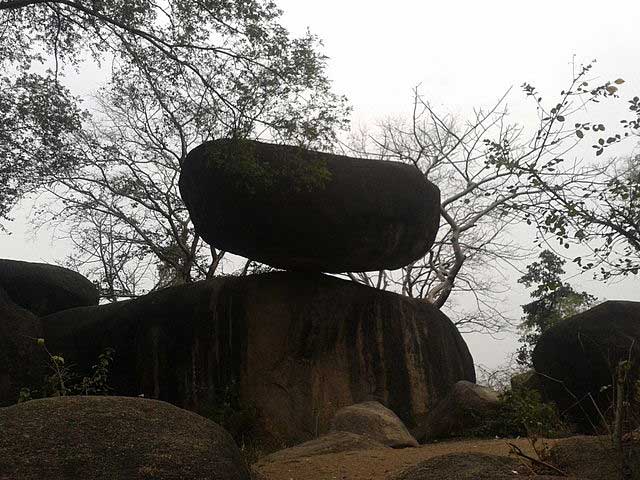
(294, 347)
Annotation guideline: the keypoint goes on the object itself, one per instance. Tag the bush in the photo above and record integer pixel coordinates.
(523, 413)
(63, 380)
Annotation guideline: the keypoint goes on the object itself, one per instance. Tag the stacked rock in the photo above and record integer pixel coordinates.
(298, 209)
(296, 346)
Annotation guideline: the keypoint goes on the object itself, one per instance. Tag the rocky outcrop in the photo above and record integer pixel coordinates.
(21, 360)
(577, 358)
(298, 347)
(465, 407)
(375, 421)
(44, 289)
(104, 438)
(298, 209)
(334, 442)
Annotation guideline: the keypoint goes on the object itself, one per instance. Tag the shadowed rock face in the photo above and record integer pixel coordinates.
(298, 209)
(298, 346)
(21, 361)
(579, 355)
(43, 288)
(106, 438)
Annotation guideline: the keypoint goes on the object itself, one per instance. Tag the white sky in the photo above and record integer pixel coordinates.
(464, 54)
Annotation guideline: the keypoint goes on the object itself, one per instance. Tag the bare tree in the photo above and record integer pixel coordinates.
(493, 174)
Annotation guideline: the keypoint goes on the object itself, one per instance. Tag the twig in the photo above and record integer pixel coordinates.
(515, 450)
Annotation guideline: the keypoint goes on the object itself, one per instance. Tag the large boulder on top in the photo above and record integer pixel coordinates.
(43, 288)
(297, 347)
(299, 209)
(105, 438)
(375, 421)
(21, 360)
(576, 359)
(465, 407)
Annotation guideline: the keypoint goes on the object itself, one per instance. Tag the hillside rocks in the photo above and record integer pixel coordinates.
(374, 421)
(21, 361)
(298, 209)
(105, 438)
(577, 358)
(465, 407)
(44, 289)
(296, 346)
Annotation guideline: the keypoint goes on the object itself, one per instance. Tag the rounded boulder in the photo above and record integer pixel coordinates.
(577, 359)
(299, 209)
(44, 289)
(104, 438)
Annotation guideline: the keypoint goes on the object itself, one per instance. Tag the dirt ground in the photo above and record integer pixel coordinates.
(377, 464)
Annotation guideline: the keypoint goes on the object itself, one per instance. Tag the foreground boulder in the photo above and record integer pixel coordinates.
(21, 360)
(100, 438)
(375, 421)
(465, 407)
(44, 289)
(577, 358)
(298, 209)
(296, 347)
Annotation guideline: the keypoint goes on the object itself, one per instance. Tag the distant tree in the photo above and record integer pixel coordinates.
(554, 301)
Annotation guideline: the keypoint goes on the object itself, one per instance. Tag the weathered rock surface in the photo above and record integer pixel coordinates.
(334, 442)
(595, 458)
(373, 420)
(298, 209)
(21, 361)
(578, 356)
(467, 466)
(297, 346)
(44, 289)
(106, 438)
(465, 406)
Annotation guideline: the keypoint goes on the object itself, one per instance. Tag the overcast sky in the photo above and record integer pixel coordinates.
(463, 54)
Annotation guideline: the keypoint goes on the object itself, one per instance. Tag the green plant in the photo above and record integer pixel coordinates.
(523, 413)
(63, 380)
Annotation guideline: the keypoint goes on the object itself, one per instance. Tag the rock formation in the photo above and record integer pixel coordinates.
(105, 438)
(43, 288)
(577, 358)
(375, 421)
(297, 346)
(298, 209)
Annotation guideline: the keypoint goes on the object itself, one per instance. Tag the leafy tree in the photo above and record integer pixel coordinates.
(38, 119)
(554, 301)
(181, 73)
